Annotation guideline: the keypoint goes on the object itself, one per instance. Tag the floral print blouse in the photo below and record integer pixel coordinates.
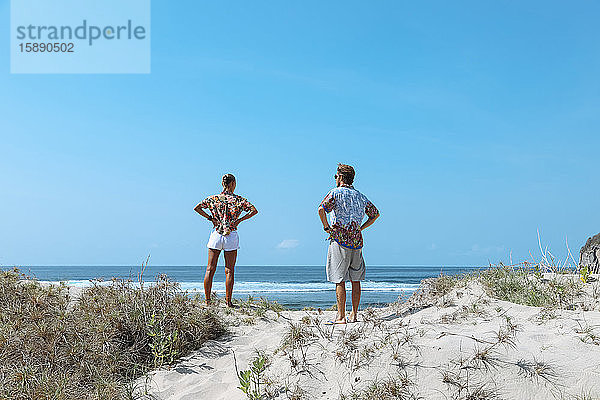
(348, 207)
(226, 209)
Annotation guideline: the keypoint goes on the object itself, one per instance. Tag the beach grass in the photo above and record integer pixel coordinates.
(94, 347)
(391, 388)
(97, 345)
(521, 284)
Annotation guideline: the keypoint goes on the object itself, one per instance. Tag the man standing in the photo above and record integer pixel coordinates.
(344, 256)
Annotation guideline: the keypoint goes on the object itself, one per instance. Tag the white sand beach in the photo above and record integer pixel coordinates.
(462, 345)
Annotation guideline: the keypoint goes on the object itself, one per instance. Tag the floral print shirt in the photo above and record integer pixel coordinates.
(348, 207)
(226, 209)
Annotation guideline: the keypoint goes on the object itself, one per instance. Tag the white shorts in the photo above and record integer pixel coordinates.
(221, 242)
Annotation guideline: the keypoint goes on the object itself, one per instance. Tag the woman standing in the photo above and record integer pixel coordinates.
(225, 209)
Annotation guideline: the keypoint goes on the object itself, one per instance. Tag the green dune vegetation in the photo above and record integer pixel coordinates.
(95, 346)
(102, 342)
(455, 303)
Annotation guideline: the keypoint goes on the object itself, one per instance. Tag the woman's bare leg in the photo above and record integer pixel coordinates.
(213, 258)
(230, 257)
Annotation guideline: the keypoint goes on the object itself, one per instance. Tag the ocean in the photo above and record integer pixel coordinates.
(294, 287)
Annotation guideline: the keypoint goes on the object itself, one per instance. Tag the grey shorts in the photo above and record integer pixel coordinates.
(344, 264)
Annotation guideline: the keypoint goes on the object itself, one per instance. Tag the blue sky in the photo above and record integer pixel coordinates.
(470, 124)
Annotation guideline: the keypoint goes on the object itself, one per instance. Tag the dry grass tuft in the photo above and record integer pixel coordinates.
(464, 388)
(250, 310)
(352, 352)
(521, 285)
(393, 388)
(588, 333)
(296, 343)
(96, 346)
(537, 370)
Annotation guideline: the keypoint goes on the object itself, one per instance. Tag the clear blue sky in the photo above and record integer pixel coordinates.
(470, 124)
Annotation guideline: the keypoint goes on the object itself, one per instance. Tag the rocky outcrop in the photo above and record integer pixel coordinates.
(590, 254)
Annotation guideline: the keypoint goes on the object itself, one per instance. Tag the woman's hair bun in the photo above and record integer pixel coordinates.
(227, 179)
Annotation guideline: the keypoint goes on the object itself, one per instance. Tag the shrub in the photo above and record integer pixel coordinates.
(521, 285)
(94, 347)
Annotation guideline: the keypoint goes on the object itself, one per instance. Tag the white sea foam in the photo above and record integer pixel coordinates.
(270, 287)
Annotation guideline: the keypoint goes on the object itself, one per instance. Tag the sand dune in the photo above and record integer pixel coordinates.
(451, 347)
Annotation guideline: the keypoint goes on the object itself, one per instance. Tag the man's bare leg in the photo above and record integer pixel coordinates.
(213, 257)
(340, 294)
(230, 257)
(355, 300)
